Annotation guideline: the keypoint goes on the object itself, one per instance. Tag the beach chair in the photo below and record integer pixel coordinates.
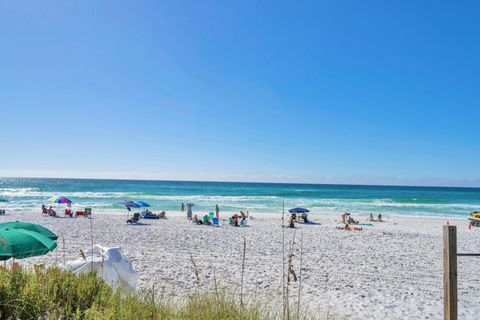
(243, 222)
(68, 213)
(79, 213)
(211, 215)
(135, 218)
(215, 222)
(87, 213)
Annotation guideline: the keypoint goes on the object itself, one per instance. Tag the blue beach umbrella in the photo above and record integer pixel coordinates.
(129, 204)
(298, 210)
(142, 204)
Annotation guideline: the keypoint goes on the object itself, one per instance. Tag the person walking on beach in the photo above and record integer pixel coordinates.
(182, 207)
(217, 211)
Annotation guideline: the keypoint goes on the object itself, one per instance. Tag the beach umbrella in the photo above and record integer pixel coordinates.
(20, 244)
(30, 227)
(59, 200)
(142, 204)
(129, 204)
(298, 210)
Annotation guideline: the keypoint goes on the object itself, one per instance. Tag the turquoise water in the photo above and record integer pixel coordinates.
(29, 194)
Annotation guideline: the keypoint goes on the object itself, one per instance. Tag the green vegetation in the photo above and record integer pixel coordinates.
(57, 294)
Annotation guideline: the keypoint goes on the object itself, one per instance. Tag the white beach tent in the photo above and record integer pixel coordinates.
(110, 264)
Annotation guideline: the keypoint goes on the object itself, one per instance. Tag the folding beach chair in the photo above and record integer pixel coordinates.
(68, 213)
(135, 218)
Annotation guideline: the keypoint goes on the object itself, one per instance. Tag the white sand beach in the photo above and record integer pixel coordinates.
(392, 270)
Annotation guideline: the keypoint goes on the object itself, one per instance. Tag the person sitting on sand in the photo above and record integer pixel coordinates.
(379, 219)
(51, 212)
(293, 216)
(44, 209)
(371, 217)
(206, 220)
(195, 219)
(345, 217)
(235, 220)
(291, 223)
(305, 217)
(350, 220)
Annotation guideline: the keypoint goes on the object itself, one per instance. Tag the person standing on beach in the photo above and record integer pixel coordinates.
(217, 211)
(189, 211)
(182, 207)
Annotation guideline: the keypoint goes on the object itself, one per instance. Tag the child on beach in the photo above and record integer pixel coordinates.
(217, 211)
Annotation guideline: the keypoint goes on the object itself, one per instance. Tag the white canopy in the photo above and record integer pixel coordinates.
(110, 264)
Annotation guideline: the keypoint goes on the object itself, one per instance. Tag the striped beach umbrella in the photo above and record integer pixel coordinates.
(59, 200)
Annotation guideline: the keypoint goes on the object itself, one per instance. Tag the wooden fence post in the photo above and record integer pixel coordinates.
(450, 272)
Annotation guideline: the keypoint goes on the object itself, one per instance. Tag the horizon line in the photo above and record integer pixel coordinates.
(252, 182)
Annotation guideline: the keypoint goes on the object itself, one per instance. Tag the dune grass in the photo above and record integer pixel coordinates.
(57, 294)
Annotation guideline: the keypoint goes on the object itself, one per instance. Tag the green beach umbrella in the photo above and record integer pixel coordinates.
(30, 227)
(20, 244)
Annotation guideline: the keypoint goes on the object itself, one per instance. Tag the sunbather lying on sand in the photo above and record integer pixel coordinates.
(348, 228)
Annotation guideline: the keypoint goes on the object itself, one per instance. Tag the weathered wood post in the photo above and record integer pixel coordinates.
(450, 272)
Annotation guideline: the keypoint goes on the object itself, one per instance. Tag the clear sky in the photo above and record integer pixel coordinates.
(294, 91)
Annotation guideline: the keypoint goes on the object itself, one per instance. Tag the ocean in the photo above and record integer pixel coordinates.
(25, 194)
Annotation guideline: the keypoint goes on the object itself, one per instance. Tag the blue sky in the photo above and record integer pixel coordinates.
(294, 91)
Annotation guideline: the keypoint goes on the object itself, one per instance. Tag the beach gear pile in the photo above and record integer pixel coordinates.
(110, 264)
